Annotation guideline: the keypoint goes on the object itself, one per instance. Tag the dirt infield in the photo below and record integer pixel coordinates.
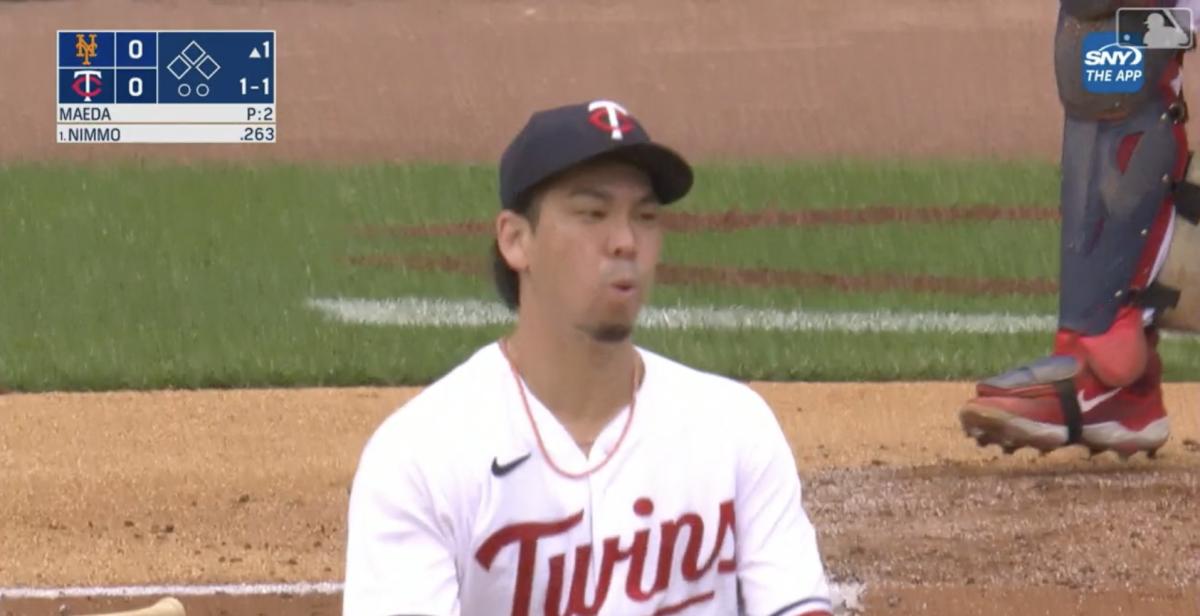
(250, 486)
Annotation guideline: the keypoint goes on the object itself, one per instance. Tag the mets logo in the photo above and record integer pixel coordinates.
(611, 118)
(87, 84)
(85, 49)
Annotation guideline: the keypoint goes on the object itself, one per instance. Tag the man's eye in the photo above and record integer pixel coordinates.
(648, 215)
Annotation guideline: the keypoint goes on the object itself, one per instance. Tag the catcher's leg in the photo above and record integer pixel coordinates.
(1101, 387)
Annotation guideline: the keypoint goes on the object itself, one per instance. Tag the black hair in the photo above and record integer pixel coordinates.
(508, 282)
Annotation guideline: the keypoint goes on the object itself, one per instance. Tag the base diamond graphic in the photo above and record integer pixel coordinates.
(193, 52)
(179, 67)
(208, 67)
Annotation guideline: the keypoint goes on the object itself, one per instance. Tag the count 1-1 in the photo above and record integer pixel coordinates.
(266, 86)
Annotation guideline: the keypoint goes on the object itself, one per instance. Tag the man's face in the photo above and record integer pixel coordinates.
(592, 254)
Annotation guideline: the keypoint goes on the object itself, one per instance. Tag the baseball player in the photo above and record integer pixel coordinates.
(562, 469)
(1129, 248)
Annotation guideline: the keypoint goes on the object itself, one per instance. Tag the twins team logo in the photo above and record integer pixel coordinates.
(87, 84)
(611, 118)
(1111, 68)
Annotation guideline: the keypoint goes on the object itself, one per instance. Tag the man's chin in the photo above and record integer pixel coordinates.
(611, 332)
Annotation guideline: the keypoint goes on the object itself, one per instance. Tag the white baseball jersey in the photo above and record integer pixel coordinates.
(455, 510)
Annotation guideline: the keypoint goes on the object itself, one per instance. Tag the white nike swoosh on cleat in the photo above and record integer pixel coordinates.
(1086, 405)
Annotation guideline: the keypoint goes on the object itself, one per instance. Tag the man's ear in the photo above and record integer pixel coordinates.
(513, 235)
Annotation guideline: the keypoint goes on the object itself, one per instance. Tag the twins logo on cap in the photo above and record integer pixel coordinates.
(610, 117)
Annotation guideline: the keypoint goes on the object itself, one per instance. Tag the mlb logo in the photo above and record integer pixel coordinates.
(1109, 67)
(1155, 28)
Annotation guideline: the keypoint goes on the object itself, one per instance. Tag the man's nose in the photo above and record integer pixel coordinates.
(621, 238)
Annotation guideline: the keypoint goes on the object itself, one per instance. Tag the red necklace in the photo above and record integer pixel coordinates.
(537, 434)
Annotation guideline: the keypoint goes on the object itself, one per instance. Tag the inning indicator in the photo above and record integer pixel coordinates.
(166, 86)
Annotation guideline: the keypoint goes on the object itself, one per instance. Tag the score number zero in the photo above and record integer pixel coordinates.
(135, 84)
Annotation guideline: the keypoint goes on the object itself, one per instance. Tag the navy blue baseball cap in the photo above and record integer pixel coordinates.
(556, 140)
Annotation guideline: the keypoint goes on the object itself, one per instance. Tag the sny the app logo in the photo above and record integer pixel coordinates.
(1110, 68)
(85, 49)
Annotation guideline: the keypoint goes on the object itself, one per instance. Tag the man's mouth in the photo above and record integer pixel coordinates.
(624, 286)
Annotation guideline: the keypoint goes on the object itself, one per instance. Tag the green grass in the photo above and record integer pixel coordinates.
(153, 276)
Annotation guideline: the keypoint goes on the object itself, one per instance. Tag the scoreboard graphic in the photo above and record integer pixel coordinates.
(166, 86)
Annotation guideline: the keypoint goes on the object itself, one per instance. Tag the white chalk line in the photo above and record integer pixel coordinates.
(846, 597)
(177, 590)
(438, 312)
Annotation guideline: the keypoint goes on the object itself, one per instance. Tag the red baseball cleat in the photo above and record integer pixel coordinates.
(1060, 401)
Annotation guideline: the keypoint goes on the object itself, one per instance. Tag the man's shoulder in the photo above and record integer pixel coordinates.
(456, 400)
(695, 385)
(441, 440)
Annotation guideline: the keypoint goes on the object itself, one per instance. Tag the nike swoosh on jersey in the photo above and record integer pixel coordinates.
(501, 470)
(1086, 405)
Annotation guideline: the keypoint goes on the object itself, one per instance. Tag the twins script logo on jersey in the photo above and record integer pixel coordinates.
(525, 537)
(610, 117)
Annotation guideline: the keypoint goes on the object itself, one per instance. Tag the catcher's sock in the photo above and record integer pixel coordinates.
(1116, 358)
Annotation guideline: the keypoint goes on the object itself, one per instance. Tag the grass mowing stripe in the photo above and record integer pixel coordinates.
(999, 249)
(849, 183)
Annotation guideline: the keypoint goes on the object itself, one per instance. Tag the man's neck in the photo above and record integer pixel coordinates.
(582, 381)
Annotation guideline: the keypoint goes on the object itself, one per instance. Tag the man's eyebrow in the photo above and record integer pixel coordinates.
(649, 198)
(590, 191)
